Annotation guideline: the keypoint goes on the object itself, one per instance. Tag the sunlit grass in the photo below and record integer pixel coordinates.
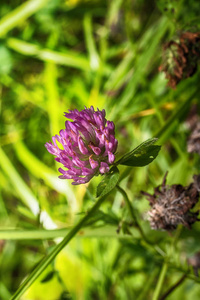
(59, 55)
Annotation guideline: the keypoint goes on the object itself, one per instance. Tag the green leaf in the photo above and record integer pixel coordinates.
(141, 156)
(108, 183)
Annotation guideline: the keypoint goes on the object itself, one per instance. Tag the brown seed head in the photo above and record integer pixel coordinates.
(180, 58)
(171, 205)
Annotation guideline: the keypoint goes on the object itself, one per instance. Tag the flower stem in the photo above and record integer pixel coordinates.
(48, 259)
(47, 234)
(128, 202)
(132, 213)
(178, 283)
(165, 266)
(160, 282)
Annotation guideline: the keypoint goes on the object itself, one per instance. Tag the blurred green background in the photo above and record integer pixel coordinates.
(58, 55)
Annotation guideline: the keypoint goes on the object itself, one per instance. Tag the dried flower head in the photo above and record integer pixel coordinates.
(87, 145)
(170, 205)
(181, 57)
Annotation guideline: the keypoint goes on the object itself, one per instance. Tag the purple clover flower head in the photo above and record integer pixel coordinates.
(86, 145)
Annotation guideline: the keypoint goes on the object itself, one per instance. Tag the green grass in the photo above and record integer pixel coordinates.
(58, 55)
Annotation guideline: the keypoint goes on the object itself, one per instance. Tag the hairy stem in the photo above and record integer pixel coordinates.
(132, 213)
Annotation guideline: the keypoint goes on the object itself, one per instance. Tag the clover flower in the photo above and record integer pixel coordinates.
(86, 145)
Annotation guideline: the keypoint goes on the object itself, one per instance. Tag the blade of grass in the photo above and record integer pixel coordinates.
(97, 232)
(68, 58)
(19, 14)
(5, 294)
(20, 186)
(50, 76)
(40, 170)
(95, 62)
(90, 43)
(150, 42)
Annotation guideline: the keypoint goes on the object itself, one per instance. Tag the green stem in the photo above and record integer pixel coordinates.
(165, 264)
(128, 202)
(178, 283)
(43, 234)
(132, 213)
(160, 282)
(148, 283)
(48, 259)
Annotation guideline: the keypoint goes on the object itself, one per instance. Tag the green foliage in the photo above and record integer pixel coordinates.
(59, 55)
(108, 183)
(185, 13)
(142, 155)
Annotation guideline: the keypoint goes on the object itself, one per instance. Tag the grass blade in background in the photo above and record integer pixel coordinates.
(38, 169)
(49, 258)
(20, 14)
(20, 186)
(58, 55)
(67, 58)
